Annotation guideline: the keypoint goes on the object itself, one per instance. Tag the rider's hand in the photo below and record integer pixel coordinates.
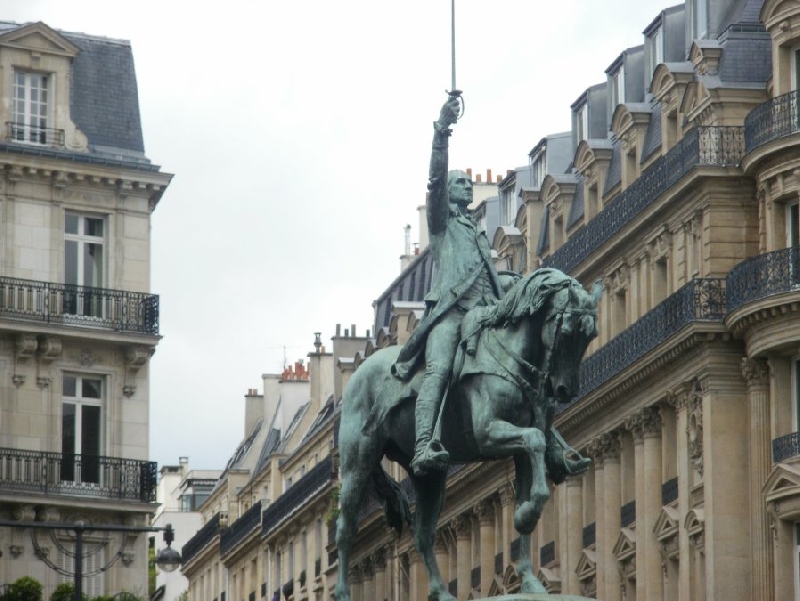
(450, 111)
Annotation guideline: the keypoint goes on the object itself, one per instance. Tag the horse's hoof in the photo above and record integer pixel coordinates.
(525, 517)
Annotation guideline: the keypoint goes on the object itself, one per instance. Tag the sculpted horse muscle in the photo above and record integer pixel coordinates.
(517, 360)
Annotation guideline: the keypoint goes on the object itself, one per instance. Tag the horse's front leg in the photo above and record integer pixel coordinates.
(497, 438)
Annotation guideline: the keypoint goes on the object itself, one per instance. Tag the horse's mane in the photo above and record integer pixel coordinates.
(527, 296)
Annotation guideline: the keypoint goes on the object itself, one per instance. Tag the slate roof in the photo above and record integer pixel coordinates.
(614, 175)
(652, 137)
(747, 58)
(104, 102)
(576, 208)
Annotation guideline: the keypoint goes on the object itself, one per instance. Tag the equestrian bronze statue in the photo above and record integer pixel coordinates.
(478, 380)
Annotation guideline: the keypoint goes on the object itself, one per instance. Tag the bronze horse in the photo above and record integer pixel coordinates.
(518, 359)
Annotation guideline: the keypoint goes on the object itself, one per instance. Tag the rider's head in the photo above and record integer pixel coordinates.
(459, 188)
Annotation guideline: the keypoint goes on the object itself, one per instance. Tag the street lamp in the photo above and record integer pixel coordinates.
(167, 559)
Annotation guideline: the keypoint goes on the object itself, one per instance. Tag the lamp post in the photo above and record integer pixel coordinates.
(167, 559)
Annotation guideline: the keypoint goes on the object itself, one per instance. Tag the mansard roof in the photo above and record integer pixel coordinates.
(104, 97)
(652, 137)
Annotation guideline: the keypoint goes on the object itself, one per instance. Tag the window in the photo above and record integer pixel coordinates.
(84, 264)
(509, 205)
(81, 429)
(581, 124)
(656, 43)
(795, 68)
(30, 108)
(94, 563)
(617, 81)
(539, 171)
(699, 19)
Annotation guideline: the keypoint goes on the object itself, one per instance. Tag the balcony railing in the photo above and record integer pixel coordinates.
(785, 447)
(709, 146)
(77, 475)
(294, 497)
(238, 531)
(65, 304)
(200, 539)
(776, 118)
(762, 276)
(31, 134)
(701, 299)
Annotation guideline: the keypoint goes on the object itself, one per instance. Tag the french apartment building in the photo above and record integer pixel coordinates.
(78, 323)
(682, 194)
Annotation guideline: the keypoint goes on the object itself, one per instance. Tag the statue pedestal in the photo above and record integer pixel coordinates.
(540, 597)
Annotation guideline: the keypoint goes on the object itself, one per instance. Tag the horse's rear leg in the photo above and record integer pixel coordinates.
(430, 496)
(524, 478)
(356, 469)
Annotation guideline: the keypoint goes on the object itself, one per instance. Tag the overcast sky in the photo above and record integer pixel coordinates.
(299, 135)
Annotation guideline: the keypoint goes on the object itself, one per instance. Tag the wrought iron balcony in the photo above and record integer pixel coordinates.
(701, 146)
(785, 447)
(762, 276)
(776, 118)
(65, 304)
(32, 134)
(238, 531)
(77, 475)
(200, 539)
(306, 487)
(701, 299)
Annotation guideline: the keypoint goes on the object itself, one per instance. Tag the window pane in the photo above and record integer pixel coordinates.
(71, 224)
(94, 227)
(92, 264)
(69, 386)
(91, 389)
(70, 262)
(68, 428)
(90, 430)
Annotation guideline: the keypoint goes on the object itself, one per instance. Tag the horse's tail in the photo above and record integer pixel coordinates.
(395, 501)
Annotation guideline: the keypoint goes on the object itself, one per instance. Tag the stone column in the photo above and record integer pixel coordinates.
(595, 450)
(574, 539)
(681, 399)
(612, 501)
(379, 564)
(418, 579)
(442, 558)
(634, 425)
(756, 374)
(485, 513)
(651, 505)
(368, 578)
(785, 557)
(355, 583)
(463, 528)
(506, 494)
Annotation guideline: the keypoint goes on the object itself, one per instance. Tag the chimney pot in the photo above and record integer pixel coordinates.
(488, 176)
(478, 178)
(469, 172)
(353, 330)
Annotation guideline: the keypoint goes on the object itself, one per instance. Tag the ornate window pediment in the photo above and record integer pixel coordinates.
(695, 524)
(666, 531)
(40, 39)
(625, 552)
(511, 580)
(550, 579)
(383, 339)
(781, 15)
(587, 571)
(782, 490)
(696, 103)
(669, 81)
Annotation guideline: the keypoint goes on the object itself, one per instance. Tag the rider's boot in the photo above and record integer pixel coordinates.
(561, 460)
(429, 454)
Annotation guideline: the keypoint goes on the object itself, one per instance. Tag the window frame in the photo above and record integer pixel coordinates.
(80, 401)
(27, 115)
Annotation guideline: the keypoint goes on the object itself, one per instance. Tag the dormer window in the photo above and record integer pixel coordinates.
(31, 109)
(539, 170)
(617, 84)
(581, 123)
(656, 50)
(699, 19)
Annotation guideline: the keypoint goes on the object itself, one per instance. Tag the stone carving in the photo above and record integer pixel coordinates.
(694, 432)
(519, 339)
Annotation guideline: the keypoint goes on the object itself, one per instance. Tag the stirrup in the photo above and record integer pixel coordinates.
(431, 457)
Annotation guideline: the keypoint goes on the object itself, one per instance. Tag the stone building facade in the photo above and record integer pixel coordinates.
(78, 323)
(682, 195)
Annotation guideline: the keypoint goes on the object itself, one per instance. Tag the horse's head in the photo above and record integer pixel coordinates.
(569, 325)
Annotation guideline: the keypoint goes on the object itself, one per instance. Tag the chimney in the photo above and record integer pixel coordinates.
(469, 172)
(253, 410)
(478, 178)
(423, 227)
(488, 176)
